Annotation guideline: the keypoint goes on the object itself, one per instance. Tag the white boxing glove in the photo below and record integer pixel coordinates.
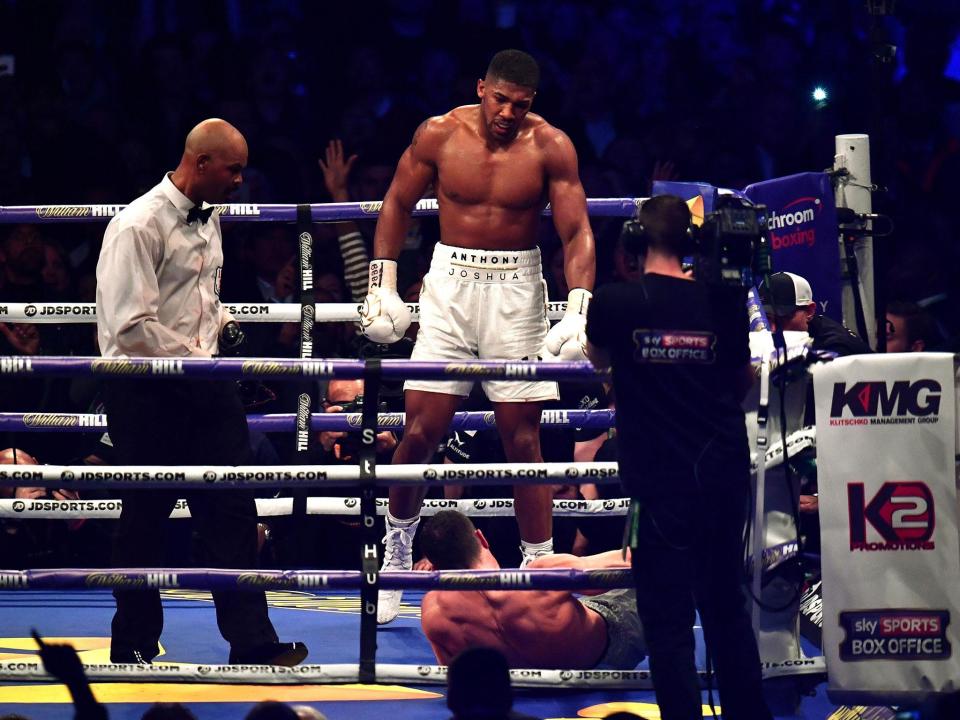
(567, 340)
(384, 316)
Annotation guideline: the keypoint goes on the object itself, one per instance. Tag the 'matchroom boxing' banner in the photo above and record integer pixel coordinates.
(886, 444)
(802, 228)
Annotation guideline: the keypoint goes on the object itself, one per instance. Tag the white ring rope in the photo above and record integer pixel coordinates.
(395, 674)
(63, 476)
(166, 476)
(263, 312)
(47, 509)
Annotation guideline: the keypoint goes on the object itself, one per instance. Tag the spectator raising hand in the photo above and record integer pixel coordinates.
(336, 171)
(63, 663)
(336, 178)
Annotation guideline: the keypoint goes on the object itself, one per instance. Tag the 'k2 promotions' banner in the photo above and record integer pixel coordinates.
(886, 445)
(802, 229)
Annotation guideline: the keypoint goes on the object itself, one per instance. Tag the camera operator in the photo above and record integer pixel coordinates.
(346, 396)
(36, 543)
(329, 540)
(681, 366)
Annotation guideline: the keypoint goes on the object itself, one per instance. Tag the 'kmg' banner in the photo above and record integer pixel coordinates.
(888, 520)
(802, 228)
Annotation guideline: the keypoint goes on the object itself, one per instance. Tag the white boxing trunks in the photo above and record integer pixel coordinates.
(486, 305)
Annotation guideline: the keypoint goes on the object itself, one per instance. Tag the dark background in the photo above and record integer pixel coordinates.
(104, 93)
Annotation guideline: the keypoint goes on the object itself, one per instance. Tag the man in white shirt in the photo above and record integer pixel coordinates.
(158, 283)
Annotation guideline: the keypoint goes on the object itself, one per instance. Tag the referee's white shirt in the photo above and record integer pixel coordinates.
(158, 279)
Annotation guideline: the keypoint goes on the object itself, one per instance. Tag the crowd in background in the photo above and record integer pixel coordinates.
(98, 96)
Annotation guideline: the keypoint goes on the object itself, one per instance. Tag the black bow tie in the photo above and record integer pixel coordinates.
(196, 213)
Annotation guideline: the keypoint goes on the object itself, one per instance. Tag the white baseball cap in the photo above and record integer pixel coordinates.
(784, 292)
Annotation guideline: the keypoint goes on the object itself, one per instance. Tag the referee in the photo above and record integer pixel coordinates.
(158, 284)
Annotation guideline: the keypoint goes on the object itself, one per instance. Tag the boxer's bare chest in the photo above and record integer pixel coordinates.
(471, 173)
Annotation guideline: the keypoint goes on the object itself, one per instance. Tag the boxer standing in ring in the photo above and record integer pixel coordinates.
(494, 166)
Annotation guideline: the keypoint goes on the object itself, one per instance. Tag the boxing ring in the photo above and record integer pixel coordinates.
(365, 475)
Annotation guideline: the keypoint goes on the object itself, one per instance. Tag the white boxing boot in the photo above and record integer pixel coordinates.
(397, 556)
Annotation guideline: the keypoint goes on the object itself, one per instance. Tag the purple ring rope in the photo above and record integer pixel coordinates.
(217, 579)
(290, 369)
(286, 422)
(320, 212)
(755, 312)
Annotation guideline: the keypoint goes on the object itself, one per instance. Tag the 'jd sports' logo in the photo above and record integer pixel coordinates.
(901, 513)
(868, 399)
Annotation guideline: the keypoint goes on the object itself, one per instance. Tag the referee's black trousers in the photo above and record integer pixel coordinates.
(178, 422)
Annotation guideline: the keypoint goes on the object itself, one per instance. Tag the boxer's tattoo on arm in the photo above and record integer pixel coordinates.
(417, 134)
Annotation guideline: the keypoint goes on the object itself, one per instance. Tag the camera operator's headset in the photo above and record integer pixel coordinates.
(634, 238)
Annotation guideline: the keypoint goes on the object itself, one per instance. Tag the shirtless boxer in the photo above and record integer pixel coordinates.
(532, 628)
(494, 166)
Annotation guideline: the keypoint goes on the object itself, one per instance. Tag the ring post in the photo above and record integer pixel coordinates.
(759, 526)
(855, 191)
(370, 563)
(303, 437)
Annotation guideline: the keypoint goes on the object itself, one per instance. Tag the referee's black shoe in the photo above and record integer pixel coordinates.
(130, 657)
(276, 653)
